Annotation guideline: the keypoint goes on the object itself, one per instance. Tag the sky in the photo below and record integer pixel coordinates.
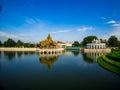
(65, 20)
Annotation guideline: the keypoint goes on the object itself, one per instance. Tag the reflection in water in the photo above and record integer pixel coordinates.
(19, 54)
(9, 55)
(12, 55)
(67, 72)
(91, 57)
(0, 55)
(69, 52)
(28, 53)
(76, 52)
(0, 58)
(66, 52)
(49, 59)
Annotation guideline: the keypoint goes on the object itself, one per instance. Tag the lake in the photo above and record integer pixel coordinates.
(67, 70)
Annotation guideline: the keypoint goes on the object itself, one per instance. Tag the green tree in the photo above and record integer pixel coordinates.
(0, 43)
(76, 44)
(113, 41)
(26, 44)
(19, 43)
(104, 41)
(10, 43)
(88, 39)
(32, 45)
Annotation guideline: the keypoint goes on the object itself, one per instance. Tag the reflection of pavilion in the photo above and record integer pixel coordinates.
(92, 57)
(49, 59)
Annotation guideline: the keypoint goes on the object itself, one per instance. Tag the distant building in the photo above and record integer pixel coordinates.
(62, 44)
(96, 44)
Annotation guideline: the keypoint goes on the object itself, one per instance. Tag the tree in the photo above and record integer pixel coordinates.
(88, 39)
(26, 44)
(0, 43)
(76, 44)
(113, 41)
(10, 43)
(19, 43)
(104, 41)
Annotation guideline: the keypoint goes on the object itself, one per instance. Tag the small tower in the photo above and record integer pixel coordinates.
(49, 37)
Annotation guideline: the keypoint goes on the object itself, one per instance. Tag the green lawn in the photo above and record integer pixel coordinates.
(110, 62)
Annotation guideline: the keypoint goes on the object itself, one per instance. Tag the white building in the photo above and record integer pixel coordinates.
(96, 44)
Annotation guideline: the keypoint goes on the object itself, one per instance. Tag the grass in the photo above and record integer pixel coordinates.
(109, 65)
(111, 61)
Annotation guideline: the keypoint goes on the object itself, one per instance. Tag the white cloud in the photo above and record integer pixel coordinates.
(4, 34)
(32, 21)
(116, 25)
(111, 22)
(83, 29)
(8, 35)
(115, 31)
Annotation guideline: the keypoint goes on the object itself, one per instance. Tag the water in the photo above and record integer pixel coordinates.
(68, 70)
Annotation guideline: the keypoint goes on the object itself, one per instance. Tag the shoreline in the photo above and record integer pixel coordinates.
(20, 49)
(17, 49)
(105, 50)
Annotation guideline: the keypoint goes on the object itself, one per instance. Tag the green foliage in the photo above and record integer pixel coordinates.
(19, 43)
(10, 43)
(113, 41)
(115, 55)
(104, 41)
(111, 61)
(76, 44)
(88, 39)
(29, 45)
(32, 45)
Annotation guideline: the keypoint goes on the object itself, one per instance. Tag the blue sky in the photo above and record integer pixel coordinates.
(65, 20)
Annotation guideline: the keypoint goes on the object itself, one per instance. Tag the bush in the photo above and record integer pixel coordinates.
(114, 55)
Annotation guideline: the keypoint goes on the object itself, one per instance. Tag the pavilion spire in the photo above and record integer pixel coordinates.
(49, 37)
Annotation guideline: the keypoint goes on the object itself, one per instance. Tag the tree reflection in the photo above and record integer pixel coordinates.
(48, 59)
(28, 53)
(0, 55)
(0, 58)
(9, 55)
(19, 54)
(75, 53)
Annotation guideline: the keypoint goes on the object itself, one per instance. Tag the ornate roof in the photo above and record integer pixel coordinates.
(48, 43)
